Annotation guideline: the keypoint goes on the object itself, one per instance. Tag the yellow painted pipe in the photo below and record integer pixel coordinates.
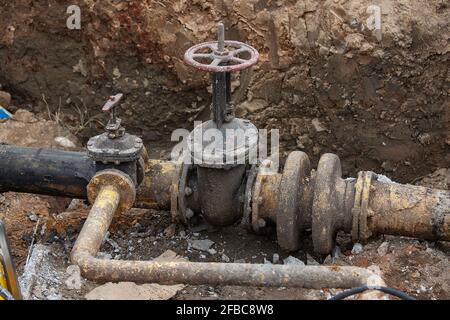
(3, 283)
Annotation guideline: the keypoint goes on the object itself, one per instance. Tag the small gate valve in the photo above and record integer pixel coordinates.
(115, 146)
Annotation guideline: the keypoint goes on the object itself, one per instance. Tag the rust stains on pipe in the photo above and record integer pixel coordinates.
(268, 197)
(96, 227)
(97, 224)
(154, 192)
(403, 210)
(240, 274)
(410, 211)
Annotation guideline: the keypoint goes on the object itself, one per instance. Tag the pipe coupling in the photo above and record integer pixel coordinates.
(115, 178)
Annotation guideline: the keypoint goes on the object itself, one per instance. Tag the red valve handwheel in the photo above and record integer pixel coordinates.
(225, 61)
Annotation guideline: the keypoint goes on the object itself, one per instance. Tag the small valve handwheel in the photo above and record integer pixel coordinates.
(206, 56)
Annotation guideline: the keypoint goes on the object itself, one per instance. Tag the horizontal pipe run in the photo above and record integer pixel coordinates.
(96, 227)
(67, 174)
(379, 207)
(47, 172)
(211, 273)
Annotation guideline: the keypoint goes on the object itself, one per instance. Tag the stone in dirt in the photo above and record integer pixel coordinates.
(133, 291)
(25, 116)
(293, 261)
(357, 248)
(276, 258)
(33, 217)
(318, 126)
(202, 245)
(383, 248)
(65, 143)
(169, 232)
(5, 99)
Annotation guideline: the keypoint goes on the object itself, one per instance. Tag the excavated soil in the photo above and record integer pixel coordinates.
(324, 80)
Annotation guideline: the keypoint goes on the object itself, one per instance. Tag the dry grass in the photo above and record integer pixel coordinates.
(83, 119)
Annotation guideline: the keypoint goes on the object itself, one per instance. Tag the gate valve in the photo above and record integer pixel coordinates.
(221, 149)
(115, 145)
(221, 57)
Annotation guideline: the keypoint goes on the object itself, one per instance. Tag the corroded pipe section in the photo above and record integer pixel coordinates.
(327, 203)
(109, 199)
(333, 199)
(155, 190)
(384, 207)
(96, 226)
(239, 274)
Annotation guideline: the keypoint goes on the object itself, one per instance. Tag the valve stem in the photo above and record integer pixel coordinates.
(114, 127)
(221, 37)
(221, 84)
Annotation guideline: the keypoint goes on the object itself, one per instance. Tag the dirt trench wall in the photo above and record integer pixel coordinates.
(324, 79)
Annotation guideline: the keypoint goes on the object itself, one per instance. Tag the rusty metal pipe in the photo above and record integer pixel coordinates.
(383, 207)
(96, 227)
(366, 206)
(239, 274)
(155, 190)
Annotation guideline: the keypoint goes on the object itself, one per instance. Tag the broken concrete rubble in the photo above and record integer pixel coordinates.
(65, 143)
(202, 245)
(132, 291)
(32, 270)
(383, 249)
(357, 248)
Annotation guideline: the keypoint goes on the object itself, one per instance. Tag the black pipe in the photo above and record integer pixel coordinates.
(47, 172)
